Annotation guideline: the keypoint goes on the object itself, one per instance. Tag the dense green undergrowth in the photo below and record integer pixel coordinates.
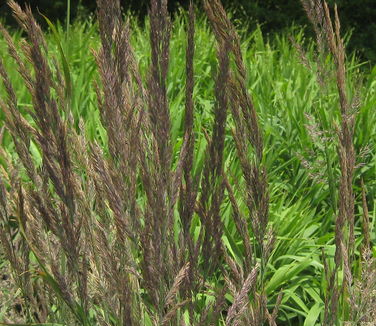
(295, 116)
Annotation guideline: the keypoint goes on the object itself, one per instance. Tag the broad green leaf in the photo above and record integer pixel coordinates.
(231, 245)
(315, 296)
(285, 273)
(313, 315)
(298, 301)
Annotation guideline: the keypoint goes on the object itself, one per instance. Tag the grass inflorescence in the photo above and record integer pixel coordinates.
(186, 173)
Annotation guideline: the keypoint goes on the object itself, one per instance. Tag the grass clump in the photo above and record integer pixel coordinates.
(127, 199)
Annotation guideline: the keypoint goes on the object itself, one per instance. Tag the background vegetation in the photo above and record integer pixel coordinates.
(357, 17)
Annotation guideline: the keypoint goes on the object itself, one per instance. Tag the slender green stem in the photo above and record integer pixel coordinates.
(68, 27)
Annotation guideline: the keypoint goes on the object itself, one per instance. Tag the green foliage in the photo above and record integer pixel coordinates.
(357, 17)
